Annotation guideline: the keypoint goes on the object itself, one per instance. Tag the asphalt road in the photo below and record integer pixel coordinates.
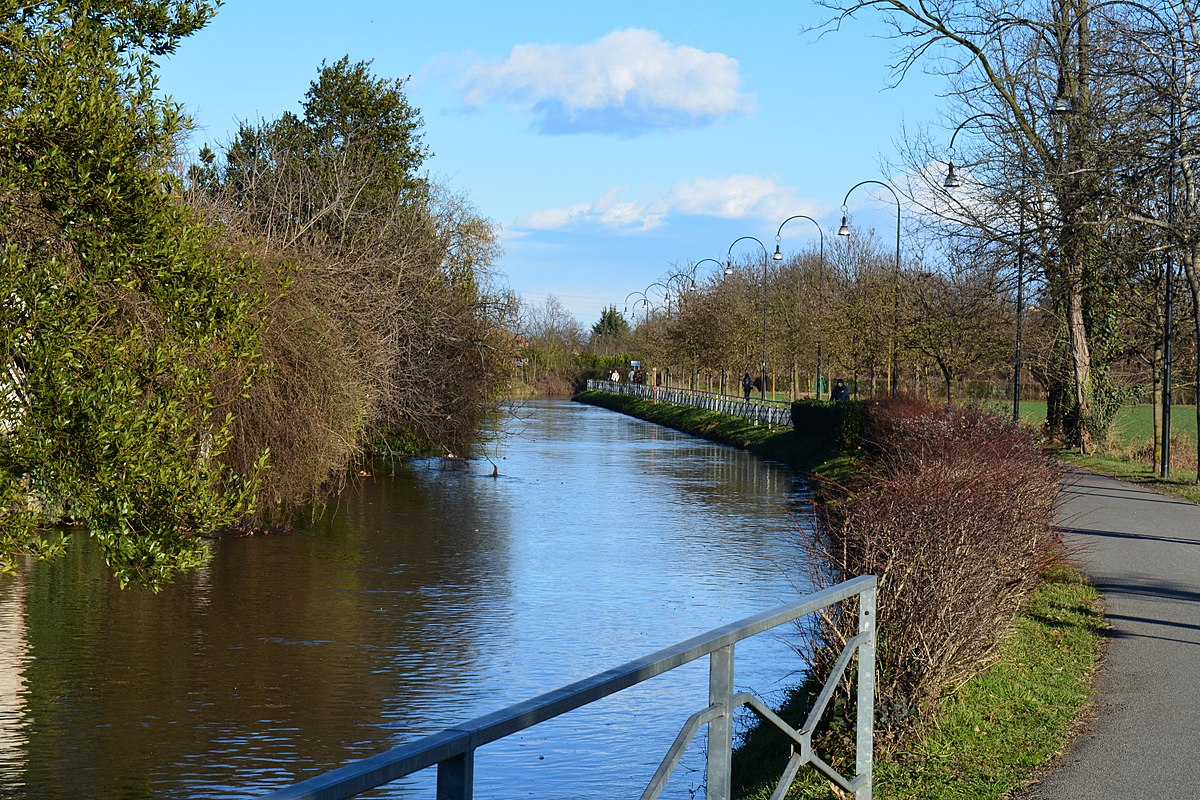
(1142, 550)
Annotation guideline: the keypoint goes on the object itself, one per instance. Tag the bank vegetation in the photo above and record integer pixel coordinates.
(189, 349)
(987, 639)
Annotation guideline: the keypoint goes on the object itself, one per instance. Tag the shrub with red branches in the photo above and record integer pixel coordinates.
(953, 511)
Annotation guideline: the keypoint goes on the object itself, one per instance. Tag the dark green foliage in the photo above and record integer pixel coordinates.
(116, 308)
(596, 366)
(838, 425)
(611, 326)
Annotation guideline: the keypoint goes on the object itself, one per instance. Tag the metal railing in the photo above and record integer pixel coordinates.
(453, 750)
(776, 413)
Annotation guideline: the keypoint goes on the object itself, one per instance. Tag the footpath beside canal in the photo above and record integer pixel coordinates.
(1142, 551)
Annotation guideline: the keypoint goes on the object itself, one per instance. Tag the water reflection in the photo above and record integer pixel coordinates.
(423, 598)
(14, 657)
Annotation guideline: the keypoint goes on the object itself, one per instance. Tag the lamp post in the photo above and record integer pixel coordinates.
(844, 230)
(645, 302)
(666, 292)
(821, 276)
(952, 181)
(724, 266)
(729, 271)
(1064, 105)
(726, 271)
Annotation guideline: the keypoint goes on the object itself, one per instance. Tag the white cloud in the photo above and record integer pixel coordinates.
(627, 82)
(609, 211)
(733, 197)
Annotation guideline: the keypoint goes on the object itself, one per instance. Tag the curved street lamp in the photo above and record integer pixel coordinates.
(844, 230)
(726, 270)
(645, 302)
(666, 294)
(952, 182)
(1064, 104)
(821, 277)
(729, 271)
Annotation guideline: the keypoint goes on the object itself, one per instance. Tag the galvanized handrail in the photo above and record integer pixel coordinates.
(776, 413)
(453, 750)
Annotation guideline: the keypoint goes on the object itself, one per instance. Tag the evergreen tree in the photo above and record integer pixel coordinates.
(116, 309)
(610, 330)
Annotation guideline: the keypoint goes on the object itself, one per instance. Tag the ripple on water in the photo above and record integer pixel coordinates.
(421, 600)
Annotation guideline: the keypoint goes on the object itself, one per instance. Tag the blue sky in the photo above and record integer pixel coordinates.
(609, 141)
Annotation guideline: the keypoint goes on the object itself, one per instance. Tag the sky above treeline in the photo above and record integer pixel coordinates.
(613, 143)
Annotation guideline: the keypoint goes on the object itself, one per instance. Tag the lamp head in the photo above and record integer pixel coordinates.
(1063, 104)
(952, 180)
(844, 230)
(778, 255)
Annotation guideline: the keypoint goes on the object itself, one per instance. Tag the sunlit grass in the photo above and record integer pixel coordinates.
(998, 731)
(1126, 453)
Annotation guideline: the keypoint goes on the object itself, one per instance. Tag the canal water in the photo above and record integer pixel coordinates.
(429, 594)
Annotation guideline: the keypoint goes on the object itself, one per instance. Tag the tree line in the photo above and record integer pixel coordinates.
(1057, 198)
(1076, 133)
(843, 313)
(190, 349)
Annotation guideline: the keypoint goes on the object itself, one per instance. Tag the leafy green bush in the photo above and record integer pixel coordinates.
(839, 425)
(117, 307)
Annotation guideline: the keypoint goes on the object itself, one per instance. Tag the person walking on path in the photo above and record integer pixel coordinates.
(1142, 552)
(747, 385)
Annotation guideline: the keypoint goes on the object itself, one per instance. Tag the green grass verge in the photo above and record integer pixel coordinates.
(1002, 728)
(1011, 721)
(778, 444)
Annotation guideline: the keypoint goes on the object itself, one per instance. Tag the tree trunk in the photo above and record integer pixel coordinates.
(1081, 365)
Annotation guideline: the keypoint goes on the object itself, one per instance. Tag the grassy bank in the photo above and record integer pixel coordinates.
(995, 732)
(778, 444)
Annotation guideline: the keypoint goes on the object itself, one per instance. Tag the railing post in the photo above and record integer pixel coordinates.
(865, 727)
(720, 730)
(456, 777)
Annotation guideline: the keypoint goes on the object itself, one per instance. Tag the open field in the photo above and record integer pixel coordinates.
(1134, 425)
(1127, 454)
